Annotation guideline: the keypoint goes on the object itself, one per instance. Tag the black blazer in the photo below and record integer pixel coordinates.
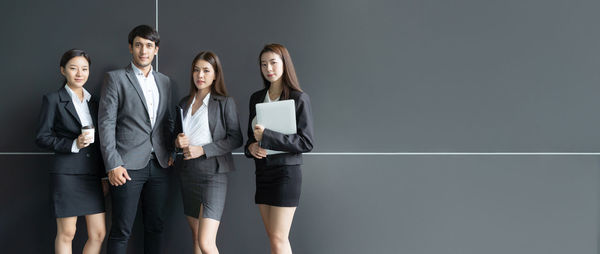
(225, 131)
(59, 125)
(294, 144)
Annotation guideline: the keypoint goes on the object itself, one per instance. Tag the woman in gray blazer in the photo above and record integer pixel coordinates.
(209, 130)
(76, 188)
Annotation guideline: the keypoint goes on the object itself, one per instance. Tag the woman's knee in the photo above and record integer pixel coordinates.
(97, 234)
(207, 245)
(66, 233)
(278, 238)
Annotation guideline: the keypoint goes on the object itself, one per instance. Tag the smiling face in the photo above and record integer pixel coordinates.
(271, 66)
(143, 51)
(76, 71)
(203, 74)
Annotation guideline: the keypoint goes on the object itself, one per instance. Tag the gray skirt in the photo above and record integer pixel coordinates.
(201, 186)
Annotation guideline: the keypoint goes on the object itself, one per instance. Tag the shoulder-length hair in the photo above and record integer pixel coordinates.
(218, 85)
(289, 79)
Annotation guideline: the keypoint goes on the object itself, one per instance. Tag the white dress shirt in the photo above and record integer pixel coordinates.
(196, 125)
(83, 111)
(150, 90)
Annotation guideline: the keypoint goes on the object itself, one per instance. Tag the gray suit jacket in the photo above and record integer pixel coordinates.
(225, 131)
(126, 135)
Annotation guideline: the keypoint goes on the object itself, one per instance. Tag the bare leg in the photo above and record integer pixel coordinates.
(65, 232)
(193, 222)
(207, 234)
(96, 227)
(278, 222)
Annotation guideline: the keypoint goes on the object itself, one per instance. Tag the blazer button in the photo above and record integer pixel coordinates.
(87, 155)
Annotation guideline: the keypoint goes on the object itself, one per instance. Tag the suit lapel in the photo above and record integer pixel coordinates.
(66, 98)
(134, 82)
(93, 106)
(213, 108)
(162, 92)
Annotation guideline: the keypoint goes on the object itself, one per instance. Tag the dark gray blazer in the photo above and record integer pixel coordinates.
(293, 144)
(126, 135)
(58, 126)
(225, 131)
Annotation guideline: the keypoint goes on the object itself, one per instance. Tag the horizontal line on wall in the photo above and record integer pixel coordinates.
(391, 154)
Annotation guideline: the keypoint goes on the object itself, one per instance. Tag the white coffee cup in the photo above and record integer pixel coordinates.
(89, 132)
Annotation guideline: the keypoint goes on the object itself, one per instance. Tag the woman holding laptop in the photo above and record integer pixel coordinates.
(278, 176)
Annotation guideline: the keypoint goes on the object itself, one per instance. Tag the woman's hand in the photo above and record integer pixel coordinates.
(257, 151)
(258, 132)
(182, 141)
(192, 152)
(83, 140)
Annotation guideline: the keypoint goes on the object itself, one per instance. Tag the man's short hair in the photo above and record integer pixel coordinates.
(146, 32)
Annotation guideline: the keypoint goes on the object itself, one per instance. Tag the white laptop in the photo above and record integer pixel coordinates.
(279, 116)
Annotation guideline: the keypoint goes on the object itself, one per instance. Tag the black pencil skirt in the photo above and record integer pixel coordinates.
(278, 186)
(76, 195)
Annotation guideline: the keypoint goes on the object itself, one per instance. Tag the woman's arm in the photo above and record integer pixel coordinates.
(233, 138)
(251, 139)
(302, 141)
(46, 137)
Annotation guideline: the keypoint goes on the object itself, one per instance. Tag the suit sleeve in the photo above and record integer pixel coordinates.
(302, 141)
(171, 135)
(233, 138)
(46, 137)
(107, 119)
(251, 139)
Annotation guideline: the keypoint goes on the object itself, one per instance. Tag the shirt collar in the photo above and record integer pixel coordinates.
(204, 101)
(269, 98)
(139, 72)
(86, 96)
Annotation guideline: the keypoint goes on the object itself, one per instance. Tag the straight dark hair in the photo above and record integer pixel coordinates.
(218, 85)
(70, 54)
(144, 31)
(289, 79)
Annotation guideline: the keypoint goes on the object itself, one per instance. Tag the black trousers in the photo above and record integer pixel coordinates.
(151, 185)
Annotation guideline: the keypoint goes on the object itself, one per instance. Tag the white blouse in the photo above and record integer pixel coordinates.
(195, 126)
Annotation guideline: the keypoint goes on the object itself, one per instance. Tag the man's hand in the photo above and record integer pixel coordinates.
(118, 176)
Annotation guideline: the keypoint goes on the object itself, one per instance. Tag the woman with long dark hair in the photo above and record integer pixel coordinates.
(208, 130)
(65, 127)
(278, 176)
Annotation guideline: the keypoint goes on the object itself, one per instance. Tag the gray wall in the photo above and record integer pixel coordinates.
(383, 76)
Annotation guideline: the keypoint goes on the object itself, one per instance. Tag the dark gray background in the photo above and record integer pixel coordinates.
(383, 76)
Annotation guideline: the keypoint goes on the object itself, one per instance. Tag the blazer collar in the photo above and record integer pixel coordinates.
(213, 109)
(130, 73)
(65, 98)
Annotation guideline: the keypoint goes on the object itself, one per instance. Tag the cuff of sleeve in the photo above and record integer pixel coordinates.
(74, 148)
(209, 150)
(264, 142)
(113, 169)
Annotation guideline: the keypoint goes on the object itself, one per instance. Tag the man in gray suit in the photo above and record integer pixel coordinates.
(135, 127)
